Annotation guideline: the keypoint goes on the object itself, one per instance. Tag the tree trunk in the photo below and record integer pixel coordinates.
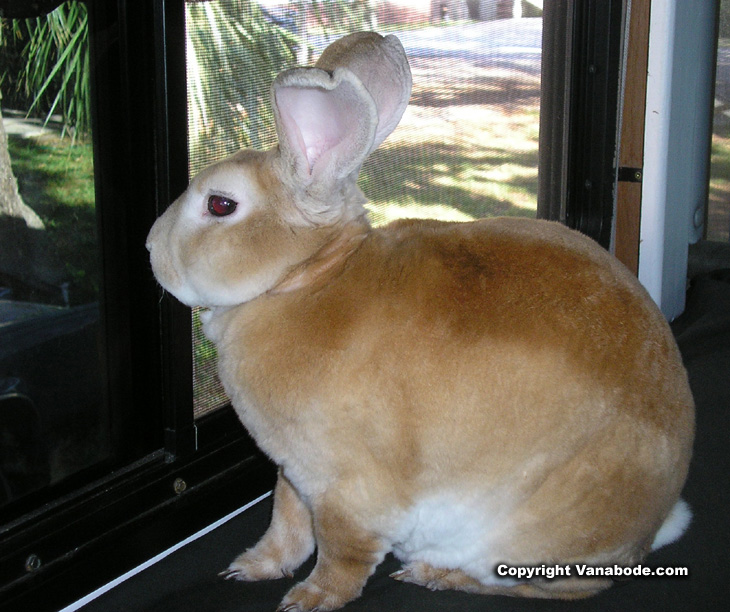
(11, 204)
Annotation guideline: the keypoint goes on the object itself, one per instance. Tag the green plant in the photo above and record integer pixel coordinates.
(54, 75)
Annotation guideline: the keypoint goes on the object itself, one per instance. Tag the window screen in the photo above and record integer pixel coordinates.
(467, 144)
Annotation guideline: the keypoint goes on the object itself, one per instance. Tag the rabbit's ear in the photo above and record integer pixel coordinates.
(325, 122)
(381, 65)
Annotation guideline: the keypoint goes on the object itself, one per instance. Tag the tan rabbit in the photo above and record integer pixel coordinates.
(462, 395)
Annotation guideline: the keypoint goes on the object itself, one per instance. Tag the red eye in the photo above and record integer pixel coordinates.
(220, 206)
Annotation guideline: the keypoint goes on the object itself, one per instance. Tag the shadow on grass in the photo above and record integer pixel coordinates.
(507, 93)
(56, 180)
(447, 175)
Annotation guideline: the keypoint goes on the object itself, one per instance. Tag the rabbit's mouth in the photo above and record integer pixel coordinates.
(170, 281)
(163, 267)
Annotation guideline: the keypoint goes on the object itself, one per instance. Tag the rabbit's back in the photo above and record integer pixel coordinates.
(516, 284)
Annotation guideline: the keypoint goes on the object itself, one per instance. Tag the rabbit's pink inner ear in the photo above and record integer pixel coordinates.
(329, 131)
(310, 121)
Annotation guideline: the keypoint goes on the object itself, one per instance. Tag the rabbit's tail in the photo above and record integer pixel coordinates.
(674, 525)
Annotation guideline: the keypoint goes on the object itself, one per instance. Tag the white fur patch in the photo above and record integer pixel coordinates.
(451, 530)
(674, 526)
(462, 531)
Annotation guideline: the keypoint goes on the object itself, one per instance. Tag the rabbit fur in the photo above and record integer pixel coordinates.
(458, 394)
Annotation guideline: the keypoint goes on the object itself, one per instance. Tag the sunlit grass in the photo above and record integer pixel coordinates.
(463, 151)
(387, 212)
(58, 173)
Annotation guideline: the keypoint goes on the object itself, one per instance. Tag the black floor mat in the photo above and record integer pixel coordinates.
(187, 580)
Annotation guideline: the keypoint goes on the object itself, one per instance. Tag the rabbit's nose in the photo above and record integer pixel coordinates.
(151, 237)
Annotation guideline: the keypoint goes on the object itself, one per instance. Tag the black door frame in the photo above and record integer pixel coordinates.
(579, 114)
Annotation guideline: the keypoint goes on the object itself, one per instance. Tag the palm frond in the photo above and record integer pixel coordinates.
(55, 73)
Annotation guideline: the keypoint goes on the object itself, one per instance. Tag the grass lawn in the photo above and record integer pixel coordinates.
(56, 179)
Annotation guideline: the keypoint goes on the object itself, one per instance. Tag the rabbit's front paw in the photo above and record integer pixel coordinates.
(287, 543)
(308, 597)
(253, 565)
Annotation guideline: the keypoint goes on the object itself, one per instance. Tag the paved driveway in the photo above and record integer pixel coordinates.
(516, 42)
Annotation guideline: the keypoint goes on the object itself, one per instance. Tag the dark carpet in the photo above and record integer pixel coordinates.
(187, 580)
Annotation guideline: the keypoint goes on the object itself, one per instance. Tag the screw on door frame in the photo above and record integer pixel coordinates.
(179, 486)
(32, 563)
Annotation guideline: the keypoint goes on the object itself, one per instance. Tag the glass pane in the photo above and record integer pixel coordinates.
(53, 418)
(466, 147)
(718, 212)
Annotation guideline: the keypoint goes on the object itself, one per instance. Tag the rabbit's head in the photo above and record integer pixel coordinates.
(245, 221)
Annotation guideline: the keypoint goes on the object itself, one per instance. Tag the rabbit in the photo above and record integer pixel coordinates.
(461, 395)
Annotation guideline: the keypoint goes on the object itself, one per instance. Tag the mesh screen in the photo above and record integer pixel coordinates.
(467, 144)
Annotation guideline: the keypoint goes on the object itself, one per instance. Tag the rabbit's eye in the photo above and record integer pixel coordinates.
(218, 206)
